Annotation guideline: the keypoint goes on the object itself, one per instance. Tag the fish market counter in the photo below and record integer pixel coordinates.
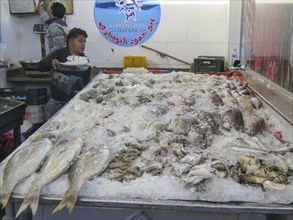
(156, 146)
(104, 209)
(274, 96)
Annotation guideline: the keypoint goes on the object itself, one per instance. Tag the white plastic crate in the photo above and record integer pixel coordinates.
(36, 113)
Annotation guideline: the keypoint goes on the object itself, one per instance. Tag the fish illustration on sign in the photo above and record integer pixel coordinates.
(127, 23)
(128, 8)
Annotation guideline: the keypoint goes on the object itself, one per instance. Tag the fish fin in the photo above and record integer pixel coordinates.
(32, 200)
(68, 200)
(4, 198)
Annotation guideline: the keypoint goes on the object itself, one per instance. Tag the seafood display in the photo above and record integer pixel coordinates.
(57, 162)
(23, 163)
(90, 163)
(141, 135)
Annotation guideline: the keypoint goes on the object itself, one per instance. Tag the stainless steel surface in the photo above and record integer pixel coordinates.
(29, 64)
(276, 97)
(173, 205)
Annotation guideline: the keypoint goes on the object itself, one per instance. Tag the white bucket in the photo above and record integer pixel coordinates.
(36, 113)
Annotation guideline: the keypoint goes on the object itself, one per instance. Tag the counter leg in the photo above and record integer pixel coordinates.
(9, 212)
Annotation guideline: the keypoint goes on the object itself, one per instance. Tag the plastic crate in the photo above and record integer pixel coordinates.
(36, 96)
(135, 61)
(209, 64)
(212, 57)
(9, 93)
(30, 96)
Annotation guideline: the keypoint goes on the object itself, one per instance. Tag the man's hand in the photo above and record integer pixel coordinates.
(40, 6)
(55, 62)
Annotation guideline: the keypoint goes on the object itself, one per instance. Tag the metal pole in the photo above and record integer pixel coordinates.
(165, 55)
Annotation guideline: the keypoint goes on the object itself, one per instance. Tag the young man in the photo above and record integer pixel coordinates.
(65, 84)
(56, 26)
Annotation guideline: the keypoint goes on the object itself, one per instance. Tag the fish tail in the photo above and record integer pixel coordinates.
(61, 205)
(23, 207)
(4, 197)
(32, 200)
(68, 200)
(71, 202)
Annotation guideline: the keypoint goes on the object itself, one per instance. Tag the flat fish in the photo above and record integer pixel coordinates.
(21, 165)
(60, 159)
(92, 162)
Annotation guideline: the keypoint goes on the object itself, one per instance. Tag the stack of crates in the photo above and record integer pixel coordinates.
(209, 64)
(35, 99)
(135, 61)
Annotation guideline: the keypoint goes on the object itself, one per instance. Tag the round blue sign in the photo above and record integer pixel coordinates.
(127, 23)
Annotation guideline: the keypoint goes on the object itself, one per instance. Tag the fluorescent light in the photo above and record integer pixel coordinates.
(196, 2)
(274, 1)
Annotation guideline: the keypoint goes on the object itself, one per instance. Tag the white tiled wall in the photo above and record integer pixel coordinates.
(235, 26)
(185, 31)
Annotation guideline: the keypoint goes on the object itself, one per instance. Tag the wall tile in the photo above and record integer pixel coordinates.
(171, 32)
(205, 31)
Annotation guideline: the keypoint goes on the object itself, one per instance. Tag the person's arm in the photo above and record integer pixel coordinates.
(48, 63)
(43, 14)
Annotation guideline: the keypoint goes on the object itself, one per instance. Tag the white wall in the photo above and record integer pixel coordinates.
(235, 22)
(185, 31)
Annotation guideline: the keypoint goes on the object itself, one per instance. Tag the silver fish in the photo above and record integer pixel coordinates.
(57, 163)
(91, 162)
(21, 165)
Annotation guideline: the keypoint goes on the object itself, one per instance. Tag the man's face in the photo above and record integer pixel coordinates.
(77, 45)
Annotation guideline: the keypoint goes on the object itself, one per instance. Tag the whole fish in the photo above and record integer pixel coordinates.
(91, 162)
(57, 163)
(21, 165)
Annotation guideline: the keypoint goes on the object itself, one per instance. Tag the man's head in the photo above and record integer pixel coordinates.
(58, 10)
(76, 40)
